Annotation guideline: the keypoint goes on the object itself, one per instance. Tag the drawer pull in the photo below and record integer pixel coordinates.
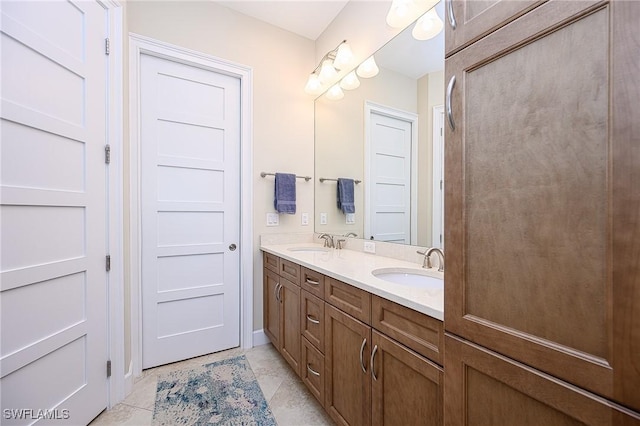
(312, 319)
(312, 282)
(364, 343)
(373, 360)
(310, 370)
(452, 16)
(447, 102)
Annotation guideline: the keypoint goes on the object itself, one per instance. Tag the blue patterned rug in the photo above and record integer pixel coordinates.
(221, 393)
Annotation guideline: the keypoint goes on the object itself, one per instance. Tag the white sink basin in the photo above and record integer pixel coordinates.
(318, 249)
(415, 278)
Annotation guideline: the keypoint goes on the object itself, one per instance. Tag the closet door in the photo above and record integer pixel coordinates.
(541, 193)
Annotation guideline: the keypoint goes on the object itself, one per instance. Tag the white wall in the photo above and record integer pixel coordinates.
(282, 112)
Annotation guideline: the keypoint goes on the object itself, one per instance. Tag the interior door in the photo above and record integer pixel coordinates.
(390, 179)
(53, 231)
(190, 185)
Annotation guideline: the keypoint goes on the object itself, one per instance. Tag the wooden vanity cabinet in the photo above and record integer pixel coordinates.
(281, 308)
(406, 388)
(474, 19)
(542, 202)
(347, 379)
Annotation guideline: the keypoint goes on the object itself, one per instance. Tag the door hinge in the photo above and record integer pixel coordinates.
(108, 263)
(107, 47)
(440, 131)
(107, 154)
(440, 238)
(440, 184)
(109, 368)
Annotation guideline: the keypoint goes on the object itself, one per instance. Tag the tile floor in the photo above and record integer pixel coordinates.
(289, 400)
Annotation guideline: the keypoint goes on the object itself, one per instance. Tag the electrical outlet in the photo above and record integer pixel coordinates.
(351, 218)
(369, 247)
(323, 218)
(304, 219)
(273, 219)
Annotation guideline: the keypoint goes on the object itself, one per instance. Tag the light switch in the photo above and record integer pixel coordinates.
(351, 218)
(273, 219)
(304, 219)
(323, 218)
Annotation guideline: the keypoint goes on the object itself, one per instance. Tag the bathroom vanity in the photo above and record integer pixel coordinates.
(369, 350)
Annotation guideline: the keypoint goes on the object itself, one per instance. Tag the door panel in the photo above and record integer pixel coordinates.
(390, 192)
(190, 210)
(54, 211)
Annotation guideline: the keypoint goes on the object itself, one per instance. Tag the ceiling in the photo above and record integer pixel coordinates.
(308, 18)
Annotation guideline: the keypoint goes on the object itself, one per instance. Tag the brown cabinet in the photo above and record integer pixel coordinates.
(312, 319)
(542, 205)
(476, 18)
(281, 316)
(485, 388)
(347, 380)
(406, 389)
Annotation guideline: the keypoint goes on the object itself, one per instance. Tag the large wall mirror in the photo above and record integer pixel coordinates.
(387, 135)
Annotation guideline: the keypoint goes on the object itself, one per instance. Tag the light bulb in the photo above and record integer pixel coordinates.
(344, 56)
(314, 86)
(428, 26)
(401, 13)
(327, 72)
(350, 81)
(335, 93)
(368, 68)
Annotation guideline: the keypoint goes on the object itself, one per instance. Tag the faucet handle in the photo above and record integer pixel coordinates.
(340, 243)
(427, 258)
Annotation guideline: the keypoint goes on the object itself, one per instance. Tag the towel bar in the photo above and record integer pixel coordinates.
(335, 180)
(306, 178)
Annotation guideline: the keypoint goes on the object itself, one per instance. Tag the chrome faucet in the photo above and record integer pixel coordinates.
(350, 234)
(328, 240)
(427, 258)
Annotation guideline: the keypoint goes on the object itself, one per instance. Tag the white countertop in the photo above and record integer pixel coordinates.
(355, 267)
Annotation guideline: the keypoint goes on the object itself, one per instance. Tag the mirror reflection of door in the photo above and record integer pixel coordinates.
(391, 137)
(437, 233)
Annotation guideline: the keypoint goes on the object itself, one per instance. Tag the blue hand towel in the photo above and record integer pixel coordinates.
(346, 201)
(285, 193)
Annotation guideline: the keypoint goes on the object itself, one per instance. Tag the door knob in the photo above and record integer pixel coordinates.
(232, 247)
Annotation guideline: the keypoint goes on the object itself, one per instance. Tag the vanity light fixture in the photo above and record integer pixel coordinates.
(401, 13)
(428, 26)
(327, 70)
(350, 81)
(335, 93)
(368, 68)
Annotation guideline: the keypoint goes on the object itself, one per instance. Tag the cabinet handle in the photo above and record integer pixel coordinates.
(312, 282)
(275, 291)
(452, 16)
(452, 83)
(373, 360)
(279, 294)
(312, 319)
(364, 369)
(310, 370)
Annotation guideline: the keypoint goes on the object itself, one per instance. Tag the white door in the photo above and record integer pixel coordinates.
(53, 204)
(437, 227)
(389, 186)
(190, 186)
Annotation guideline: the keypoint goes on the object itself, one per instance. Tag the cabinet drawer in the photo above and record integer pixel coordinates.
(312, 319)
(313, 282)
(289, 270)
(350, 299)
(418, 331)
(270, 262)
(312, 370)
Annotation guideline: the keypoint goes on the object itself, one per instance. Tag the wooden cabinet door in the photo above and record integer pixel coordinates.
(290, 323)
(271, 307)
(542, 195)
(484, 388)
(312, 319)
(312, 370)
(347, 380)
(476, 18)
(406, 389)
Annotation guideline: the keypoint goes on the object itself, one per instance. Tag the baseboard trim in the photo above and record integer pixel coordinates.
(260, 338)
